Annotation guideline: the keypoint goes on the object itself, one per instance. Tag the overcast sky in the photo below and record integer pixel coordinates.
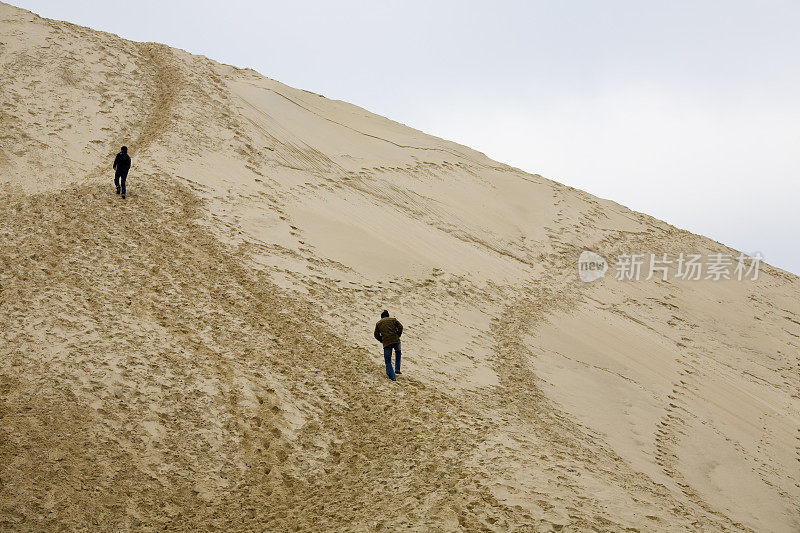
(688, 111)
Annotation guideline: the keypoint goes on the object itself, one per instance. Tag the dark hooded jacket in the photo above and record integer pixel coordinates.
(122, 163)
(388, 330)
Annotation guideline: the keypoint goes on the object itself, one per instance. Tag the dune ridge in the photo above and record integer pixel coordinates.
(199, 356)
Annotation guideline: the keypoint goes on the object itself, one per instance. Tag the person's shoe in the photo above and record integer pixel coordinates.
(117, 190)
(397, 372)
(123, 196)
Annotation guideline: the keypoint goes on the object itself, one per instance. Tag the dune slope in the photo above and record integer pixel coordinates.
(200, 355)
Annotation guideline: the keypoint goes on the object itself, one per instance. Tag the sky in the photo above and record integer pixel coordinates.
(685, 110)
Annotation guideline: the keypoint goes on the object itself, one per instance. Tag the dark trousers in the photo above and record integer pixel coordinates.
(119, 179)
(387, 357)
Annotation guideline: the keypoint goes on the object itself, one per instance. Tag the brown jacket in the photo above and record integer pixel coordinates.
(388, 330)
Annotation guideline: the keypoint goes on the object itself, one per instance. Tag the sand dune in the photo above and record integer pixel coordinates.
(199, 355)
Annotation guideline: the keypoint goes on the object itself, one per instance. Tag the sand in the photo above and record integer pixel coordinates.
(200, 355)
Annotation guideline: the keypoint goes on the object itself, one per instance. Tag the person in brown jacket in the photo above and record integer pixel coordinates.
(388, 331)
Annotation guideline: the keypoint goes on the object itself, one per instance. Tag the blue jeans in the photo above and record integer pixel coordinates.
(387, 357)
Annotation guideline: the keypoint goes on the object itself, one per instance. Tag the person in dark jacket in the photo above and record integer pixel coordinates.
(122, 164)
(388, 331)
